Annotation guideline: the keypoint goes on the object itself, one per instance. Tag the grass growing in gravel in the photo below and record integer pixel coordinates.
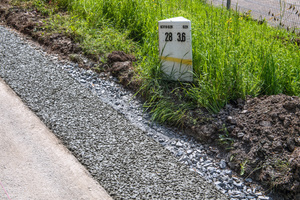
(233, 55)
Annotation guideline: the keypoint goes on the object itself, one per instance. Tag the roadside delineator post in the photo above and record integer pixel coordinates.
(175, 48)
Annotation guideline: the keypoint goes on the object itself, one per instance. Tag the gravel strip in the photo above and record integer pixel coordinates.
(126, 162)
(198, 157)
(201, 158)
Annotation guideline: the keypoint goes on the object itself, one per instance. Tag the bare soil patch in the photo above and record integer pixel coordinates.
(259, 137)
(30, 23)
(267, 142)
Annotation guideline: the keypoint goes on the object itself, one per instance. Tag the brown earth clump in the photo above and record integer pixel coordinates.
(267, 142)
(120, 65)
(30, 23)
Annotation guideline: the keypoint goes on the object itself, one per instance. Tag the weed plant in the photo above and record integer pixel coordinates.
(233, 55)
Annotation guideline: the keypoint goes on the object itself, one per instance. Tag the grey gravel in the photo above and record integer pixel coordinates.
(105, 127)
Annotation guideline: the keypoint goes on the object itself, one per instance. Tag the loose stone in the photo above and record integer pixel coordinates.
(263, 198)
(240, 134)
(249, 180)
(228, 172)
(222, 164)
(179, 144)
(189, 151)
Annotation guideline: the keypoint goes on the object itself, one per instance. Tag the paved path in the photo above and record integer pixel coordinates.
(271, 10)
(33, 162)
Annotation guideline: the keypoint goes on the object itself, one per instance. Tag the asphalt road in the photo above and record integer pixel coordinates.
(273, 11)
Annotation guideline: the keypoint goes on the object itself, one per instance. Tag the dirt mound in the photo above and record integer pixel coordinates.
(266, 144)
(120, 56)
(120, 65)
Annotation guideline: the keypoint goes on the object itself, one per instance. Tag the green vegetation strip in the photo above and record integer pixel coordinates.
(233, 55)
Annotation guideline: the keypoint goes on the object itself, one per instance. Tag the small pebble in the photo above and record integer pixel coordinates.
(263, 198)
(189, 151)
(179, 144)
(222, 164)
(249, 180)
(240, 134)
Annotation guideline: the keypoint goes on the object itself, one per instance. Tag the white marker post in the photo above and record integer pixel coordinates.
(175, 48)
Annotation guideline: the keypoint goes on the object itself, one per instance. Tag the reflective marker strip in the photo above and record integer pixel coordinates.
(183, 61)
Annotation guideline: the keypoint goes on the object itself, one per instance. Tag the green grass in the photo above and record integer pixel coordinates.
(94, 41)
(233, 55)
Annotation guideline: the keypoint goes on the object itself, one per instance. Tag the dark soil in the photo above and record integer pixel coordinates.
(29, 22)
(260, 136)
(267, 142)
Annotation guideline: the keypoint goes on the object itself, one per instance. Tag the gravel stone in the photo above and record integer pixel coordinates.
(240, 134)
(258, 194)
(228, 172)
(180, 153)
(179, 144)
(238, 185)
(263, 198)
(222, 164)
(249, 180)
(211, 169)
(188, 152)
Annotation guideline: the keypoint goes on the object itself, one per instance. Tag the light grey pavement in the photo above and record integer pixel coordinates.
(273, 11)
(33, 162)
